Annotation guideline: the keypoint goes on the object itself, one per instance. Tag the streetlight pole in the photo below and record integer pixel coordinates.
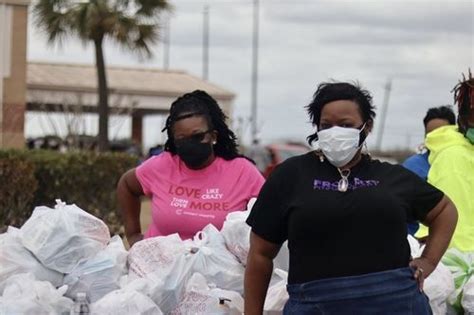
(205, 43)
(253, 117)
(166, 42)
(388, 88)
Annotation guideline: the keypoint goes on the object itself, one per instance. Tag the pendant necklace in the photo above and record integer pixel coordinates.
(343, 183)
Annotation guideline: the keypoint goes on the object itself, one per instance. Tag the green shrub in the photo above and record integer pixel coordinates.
(87, 179)
(17, 187)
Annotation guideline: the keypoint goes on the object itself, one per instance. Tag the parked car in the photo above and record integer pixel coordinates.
(267, 157)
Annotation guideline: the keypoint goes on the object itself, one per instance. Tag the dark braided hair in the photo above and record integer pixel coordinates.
(199, 103)
(328, 92)
(464, 98)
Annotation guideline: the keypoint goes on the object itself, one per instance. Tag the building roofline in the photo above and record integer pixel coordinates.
(111, 67)
(221, 93)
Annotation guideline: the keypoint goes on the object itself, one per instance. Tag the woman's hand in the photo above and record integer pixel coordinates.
(423, 268)
(134, 238)
(441, 221)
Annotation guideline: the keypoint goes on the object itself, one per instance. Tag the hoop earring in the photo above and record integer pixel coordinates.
(367, 150)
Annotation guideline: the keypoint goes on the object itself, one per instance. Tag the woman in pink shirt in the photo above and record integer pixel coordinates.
(197, 180)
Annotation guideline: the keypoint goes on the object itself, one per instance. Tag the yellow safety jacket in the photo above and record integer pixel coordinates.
(452, 171)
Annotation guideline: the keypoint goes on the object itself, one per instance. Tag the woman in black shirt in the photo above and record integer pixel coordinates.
(344, 216)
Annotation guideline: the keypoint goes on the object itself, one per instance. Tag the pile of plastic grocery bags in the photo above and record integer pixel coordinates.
(450, 287)
(63, 252)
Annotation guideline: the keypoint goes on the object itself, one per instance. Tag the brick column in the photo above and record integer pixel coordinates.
(13, 86)
(137, 128)
(13, 125)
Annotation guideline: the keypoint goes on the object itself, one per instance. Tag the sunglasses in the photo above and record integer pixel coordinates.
(197, 137)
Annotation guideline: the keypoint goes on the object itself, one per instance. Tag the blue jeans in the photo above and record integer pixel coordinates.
(387, 292)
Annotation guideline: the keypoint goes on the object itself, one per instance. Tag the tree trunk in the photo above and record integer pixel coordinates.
(102, 89)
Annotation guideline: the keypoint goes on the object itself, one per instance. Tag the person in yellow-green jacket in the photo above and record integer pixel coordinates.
(452, 165)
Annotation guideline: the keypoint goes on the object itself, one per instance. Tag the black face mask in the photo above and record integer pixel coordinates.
(193, 153)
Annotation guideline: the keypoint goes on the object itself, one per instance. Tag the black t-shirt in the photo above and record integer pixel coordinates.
(336, 234)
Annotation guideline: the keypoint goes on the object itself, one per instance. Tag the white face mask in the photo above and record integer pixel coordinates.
(339, 144)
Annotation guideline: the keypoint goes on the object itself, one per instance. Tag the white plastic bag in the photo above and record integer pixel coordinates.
(250, 204)
(215, 262)
(154, 289)
(169, 291)
(100, 274)
(439, 286)
(64, 236)
(200, 299)
(277, 294)
(125, 302)
(165, 290)
(236, 234)
(207, 255)
(155, 254)
(282, 260)
(15, 259)
(415, 247)
(467, 301)
(23, 294)
(461, 265)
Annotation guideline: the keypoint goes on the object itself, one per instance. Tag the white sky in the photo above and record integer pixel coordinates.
(422, 45)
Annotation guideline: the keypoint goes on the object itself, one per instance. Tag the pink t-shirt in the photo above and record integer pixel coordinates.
(184, 201)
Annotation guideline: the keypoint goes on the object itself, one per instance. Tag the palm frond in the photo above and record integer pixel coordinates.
(133, 24)
(123, 30)
(151, 8)
(122, 5)
(50, 17)
(147, 35)
(82, 18)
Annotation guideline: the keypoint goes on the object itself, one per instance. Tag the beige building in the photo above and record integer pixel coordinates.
(13, 30)
(136, 92)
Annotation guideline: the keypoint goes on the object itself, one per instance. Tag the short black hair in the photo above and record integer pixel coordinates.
(334, 91)
(199, 103)
(442, 112)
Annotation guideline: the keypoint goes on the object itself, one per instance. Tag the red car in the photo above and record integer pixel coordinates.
(279, 152)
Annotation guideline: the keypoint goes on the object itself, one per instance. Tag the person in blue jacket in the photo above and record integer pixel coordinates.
(418, 163)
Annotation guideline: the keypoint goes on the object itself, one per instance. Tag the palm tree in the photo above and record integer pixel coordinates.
(133, 24)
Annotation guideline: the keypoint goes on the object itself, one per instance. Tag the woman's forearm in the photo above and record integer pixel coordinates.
(441, 230)
(257, 277)
(129, 207)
